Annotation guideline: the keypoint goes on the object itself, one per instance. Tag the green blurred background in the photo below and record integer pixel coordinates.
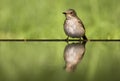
(44, 18)
(39, 61)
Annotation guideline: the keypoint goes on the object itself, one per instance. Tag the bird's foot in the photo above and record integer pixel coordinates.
(80, 39)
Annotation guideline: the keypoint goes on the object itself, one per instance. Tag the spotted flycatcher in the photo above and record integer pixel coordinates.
(73, 26)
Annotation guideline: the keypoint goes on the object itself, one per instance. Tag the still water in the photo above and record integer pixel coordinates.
(59, 61)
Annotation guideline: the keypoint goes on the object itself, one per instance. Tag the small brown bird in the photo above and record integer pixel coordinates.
(73, 26)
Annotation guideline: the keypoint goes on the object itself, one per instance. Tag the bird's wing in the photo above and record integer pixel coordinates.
(79, 21)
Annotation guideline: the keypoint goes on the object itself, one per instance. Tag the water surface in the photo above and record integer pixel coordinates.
(47, 61)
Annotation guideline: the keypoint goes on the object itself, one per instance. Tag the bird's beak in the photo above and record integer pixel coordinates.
(64, 12)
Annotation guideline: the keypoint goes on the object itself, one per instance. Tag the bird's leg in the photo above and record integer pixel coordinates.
(80, 39)
(67, 39)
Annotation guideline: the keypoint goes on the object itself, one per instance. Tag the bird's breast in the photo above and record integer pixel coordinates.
(73, 28)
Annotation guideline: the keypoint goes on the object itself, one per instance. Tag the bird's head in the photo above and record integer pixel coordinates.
(70, 13)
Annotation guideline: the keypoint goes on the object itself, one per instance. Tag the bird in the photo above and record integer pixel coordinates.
(73, 26)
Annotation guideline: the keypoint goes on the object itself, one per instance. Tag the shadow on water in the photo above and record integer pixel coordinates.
(73, 54)
(28, 61)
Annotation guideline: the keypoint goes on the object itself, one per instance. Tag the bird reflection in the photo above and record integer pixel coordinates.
(73, 54)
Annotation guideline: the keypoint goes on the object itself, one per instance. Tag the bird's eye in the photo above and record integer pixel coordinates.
(71, 12)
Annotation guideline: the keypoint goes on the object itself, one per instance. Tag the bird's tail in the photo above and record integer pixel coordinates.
(84, 37)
